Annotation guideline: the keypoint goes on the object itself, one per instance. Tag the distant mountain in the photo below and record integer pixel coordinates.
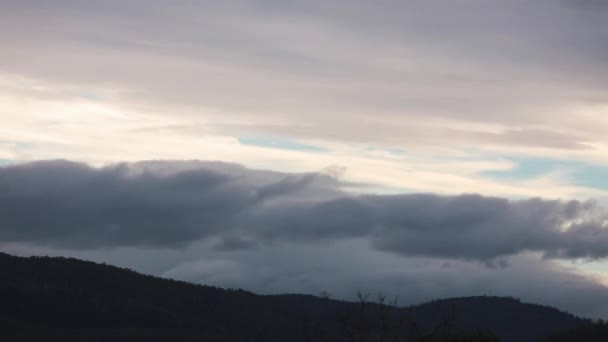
(66, 299)
(509, 318)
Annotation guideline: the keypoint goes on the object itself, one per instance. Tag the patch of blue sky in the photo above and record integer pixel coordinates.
(578, 173)
(393, 151)
(280, 143)
(21, 146)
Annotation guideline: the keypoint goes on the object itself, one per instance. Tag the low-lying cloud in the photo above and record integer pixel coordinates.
(171, 204)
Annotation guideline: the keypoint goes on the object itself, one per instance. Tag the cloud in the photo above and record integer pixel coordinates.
(308, 84)
(166, 204)
(411, 69)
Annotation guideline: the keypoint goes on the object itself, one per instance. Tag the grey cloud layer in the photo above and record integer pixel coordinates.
(316, 67)
(173, 204)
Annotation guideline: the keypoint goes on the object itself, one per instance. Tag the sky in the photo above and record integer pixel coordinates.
(425, 149)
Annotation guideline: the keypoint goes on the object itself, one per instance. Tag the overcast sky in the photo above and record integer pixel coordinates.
(422, 148)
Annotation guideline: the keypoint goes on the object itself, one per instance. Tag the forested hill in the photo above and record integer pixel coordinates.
(66, 299)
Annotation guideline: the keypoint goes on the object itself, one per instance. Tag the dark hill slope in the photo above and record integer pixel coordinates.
(507, 317)
(72, 300)
(597, 332)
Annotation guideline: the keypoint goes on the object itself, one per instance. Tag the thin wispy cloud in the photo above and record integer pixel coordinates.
(435, 79)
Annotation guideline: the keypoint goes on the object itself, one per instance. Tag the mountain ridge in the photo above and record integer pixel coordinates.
(62, 295)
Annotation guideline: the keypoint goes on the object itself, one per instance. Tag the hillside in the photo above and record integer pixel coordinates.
(598, 332)
(509, 318)
(72, 300)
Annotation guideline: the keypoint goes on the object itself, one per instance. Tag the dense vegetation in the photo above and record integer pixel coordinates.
(72, 300)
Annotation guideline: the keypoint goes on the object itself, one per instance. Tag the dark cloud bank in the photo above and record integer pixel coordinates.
(167, 204)
(225, 224)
